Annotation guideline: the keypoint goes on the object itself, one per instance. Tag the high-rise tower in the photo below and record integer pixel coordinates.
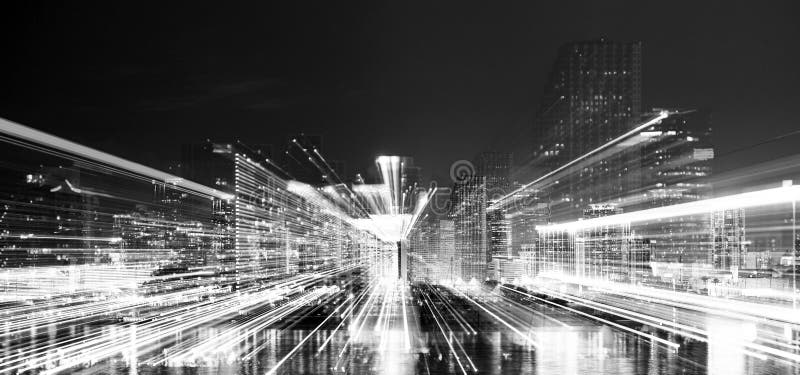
(593, 95)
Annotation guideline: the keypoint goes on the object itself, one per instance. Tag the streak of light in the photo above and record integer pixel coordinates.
(784, 194)
(527, 338)
(39, 137)
(662, 115)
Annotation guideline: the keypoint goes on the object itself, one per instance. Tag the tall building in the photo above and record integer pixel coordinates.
(431, 248)
(593, 95)
(271, 227)
(495, 167)
(410, 182)
(432, 241)
(212, 164)
(676, 160)
(498, 231)
(728, 243)
(675, 168)
(468, 212)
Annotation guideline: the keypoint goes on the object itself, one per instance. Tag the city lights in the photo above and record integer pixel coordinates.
(399, 189)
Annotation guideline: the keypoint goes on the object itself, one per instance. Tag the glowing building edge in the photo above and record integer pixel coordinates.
(781, 195)
(619, 140)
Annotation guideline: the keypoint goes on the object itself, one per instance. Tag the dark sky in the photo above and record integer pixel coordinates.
(433, 80)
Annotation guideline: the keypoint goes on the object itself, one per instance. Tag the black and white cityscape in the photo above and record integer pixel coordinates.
(407, 188)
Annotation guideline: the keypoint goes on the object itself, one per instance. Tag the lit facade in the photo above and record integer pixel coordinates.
(468, 212)
(593, 94)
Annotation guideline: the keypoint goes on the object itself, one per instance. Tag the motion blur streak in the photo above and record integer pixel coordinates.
(43, 139)
(108, 264)
(105, 259)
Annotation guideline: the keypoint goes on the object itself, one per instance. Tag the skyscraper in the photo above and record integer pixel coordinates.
(593, 94)
(675, 168)
(468, 211)
(495, 167)
(676, 160)
(410, 182)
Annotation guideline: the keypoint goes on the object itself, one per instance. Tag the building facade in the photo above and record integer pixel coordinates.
(468, 212)
(593, 95)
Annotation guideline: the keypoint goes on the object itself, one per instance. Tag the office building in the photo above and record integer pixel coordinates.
(468, 212)
(593, 95)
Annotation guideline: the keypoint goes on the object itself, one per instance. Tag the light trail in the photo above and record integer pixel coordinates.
(297, 347)
(527, 338)
(453, 312)
(166, 325)
(148, 258)
(677, 328)
(656, 119)
(667, 343)
(447, 338)
(767, 197)
(347, 313)
(42, 138)
(151, 265)
(712, 307)
(406, 334)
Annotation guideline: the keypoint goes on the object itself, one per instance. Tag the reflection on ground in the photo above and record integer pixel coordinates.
(393, 328)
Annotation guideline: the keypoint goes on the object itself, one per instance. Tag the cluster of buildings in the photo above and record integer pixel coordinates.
(457, 238)
(274, 227)
(65, 217)
(597, 152)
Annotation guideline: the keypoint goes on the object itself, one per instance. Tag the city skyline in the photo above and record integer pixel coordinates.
(599, 188)
(91, 79)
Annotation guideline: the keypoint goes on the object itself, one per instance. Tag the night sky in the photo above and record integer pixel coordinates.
(438, 82)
